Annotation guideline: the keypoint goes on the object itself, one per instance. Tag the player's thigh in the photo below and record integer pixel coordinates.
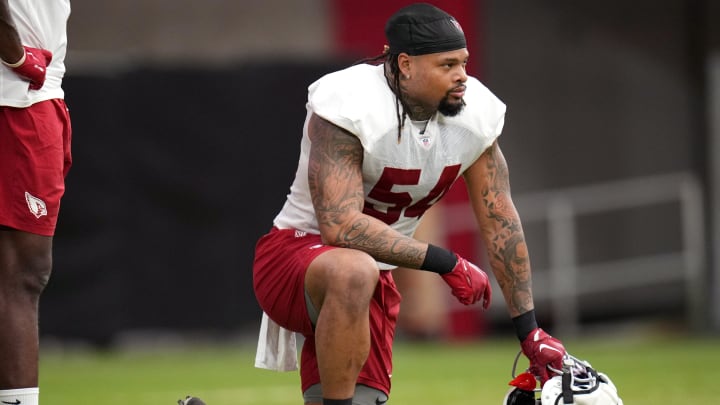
(34, 158)
(282, 257)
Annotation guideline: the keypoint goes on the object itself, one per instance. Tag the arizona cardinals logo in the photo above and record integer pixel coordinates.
(37, 206)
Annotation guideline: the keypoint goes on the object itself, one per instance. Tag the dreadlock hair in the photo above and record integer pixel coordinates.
(391, 59)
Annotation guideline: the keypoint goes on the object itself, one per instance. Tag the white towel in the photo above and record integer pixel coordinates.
(277, 348)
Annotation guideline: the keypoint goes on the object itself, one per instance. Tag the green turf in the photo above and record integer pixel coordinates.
(665, 371)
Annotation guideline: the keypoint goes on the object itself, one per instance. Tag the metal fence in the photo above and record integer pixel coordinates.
(570, 280)
(566, 280)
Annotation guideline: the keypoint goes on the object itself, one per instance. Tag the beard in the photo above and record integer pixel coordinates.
(450, 110)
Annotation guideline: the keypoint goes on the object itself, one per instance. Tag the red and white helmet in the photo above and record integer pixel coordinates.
(577, 383)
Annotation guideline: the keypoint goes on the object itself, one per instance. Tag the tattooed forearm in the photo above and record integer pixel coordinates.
(335, 181)
(356, 235)
(383, 244)
(507, 249)
(514, 260)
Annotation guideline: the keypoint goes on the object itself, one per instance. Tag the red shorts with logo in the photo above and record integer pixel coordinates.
(34, 160)
(281, 260)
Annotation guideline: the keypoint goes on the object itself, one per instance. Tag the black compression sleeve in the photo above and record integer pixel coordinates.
(524, 324)
(438, 260)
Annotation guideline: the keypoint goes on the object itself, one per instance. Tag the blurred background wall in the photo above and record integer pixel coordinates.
(187, 119)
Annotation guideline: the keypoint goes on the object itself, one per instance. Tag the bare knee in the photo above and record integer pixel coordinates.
(35, 274)
(25, 263)
(354, 285)
(348, 280)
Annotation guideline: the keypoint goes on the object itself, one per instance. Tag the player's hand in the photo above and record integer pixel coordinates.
(543, 350)
(32, 66)
(469, 284)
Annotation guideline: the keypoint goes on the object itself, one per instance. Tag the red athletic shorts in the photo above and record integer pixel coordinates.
(281, 259)
(34, 160)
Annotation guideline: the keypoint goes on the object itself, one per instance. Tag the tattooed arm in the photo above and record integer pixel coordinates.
(336, 187)
(489, 189)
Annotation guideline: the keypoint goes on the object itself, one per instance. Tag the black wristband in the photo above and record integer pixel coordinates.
(524, 324)
(326, 401)
(439, 260)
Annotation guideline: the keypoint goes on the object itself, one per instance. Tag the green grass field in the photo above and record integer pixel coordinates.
(661, 371)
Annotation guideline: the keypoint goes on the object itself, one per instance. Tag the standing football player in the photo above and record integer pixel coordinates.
(382, 142)
(34, 160)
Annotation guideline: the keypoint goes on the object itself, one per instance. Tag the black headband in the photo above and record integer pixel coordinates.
(422, 28)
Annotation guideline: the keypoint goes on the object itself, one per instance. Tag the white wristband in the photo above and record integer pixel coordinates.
(16, 64)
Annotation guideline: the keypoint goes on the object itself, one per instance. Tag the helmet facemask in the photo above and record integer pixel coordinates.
(577, 383)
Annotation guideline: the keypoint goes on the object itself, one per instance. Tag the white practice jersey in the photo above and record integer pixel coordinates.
(402, 179)
(41, 24)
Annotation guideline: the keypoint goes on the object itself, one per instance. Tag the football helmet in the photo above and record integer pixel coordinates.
(577, 383)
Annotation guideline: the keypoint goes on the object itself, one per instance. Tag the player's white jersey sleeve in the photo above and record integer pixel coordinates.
(357, 99)
(484, 113)
(402, 176)
(41, 24)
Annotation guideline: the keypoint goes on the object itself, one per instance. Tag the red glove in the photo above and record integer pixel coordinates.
(543, 350)
(32, 66)
(468, 283)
